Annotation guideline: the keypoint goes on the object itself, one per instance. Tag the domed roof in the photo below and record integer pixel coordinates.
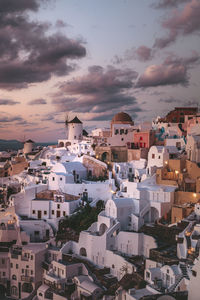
(122, 117)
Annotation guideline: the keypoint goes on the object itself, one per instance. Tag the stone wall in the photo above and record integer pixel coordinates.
(96, 167)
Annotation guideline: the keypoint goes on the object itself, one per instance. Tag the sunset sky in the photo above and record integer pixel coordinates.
(94, 58)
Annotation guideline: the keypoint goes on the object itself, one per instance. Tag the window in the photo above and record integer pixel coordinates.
(14, 290)
(4, 273)
(53, 178)
(45, 212)
(130, 170)
(147, 275)
(31, 272)
(31, 257)
(14, 277)
(153, 155)
(11, 265)
(58, 206)
(52, 212)
(122, 139)
(3, 261)
(64, 213)
(17, 266)
(33, 212)
(115, 156)
(113, 266)
(159, 157)
(141, 138)
(121, 131)
(22, 271)
(194, 273)
(116, 131)
(60, 178)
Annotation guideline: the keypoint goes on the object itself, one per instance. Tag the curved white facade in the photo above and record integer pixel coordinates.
(75, 131)
(28, 147)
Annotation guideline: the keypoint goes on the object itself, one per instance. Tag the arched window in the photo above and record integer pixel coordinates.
(14, 290)
(2, 226)
(14, 277)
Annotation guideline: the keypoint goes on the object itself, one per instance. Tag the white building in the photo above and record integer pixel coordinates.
(122, 128)
(68, 172)
(157, 157)
(104, 242)
(168, 277)
(193, 148)
(193, 286)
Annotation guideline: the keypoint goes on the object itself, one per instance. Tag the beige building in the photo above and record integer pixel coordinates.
(26, 269)
(111, 153)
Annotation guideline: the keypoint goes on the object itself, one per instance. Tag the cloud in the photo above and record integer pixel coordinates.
(10, 119)
(180, 22)
(8, 102)
(37, 102)
(13, 6)
(99, 91)
(173, 71)
(169, 100)
(28, 52)
(142, 53)
(168, 3)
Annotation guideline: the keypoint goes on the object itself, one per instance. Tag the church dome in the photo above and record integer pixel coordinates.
(122, 117)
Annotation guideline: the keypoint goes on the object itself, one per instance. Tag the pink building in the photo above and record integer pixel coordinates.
(143, 139)
(191, 122)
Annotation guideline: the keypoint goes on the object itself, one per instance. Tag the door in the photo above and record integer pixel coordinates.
(58, 214)
(39, 214)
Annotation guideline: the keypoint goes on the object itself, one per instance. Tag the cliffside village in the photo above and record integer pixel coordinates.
(113, 214)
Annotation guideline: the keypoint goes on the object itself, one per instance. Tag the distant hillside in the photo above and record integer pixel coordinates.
(16, 145)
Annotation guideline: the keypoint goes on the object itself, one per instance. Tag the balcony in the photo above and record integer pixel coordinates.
(3, 280)
(27, 278)
(24, 258)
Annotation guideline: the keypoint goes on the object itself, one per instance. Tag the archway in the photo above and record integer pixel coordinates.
(102, 229)
(2, 291)
(83, 252)
(14, 290)
(154, 214)
(2, 226)
(104, 156)
(67, 144)
(27, 287)
(61, 144)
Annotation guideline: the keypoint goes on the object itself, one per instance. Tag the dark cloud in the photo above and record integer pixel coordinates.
(8, 102)
(180, 22)
(28, 53)
(168, 3)
(98, 91)
(10, 119)
(37, 102)
(13, 6)
(169, 100)
(173, 71)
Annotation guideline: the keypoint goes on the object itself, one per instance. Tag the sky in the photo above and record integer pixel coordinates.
(93, 59)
